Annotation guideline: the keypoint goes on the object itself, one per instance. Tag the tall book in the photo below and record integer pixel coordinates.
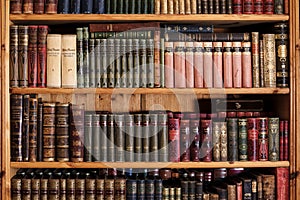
(63, 7)
(216, 141)
(143, 61)
(179, 65)
(129, 138)
(103, 140)
(248, 6)
(170, 7)
(39, 137)
(195, 140)
(33, 108)
(62, 132)
(146, 137)
(255, 59)
(237, 6)
(129, 56)
(217, 65)
(208, 63)
(28, 6)
(96, 146)
(16, 7)
(243, 138)
(13, 52)
(246, 65)
(169, 65)
(164, 7)
(206, 140)
(23, 56)
(189, 64)
(25, 128)
(185, 140)
(136, 62)
(273, 130)
(252, 131)
(198, 64)
(150, 63)
(68, 61)
(258, 7)
(138, 137)
(237, 64)
(261, 64)
(50, 6)
(282, 183)
(54, 60)
(88, 137)
(233, 136)
(163, 138)
(263, 148)
(157, 7)
(87, 7)
(153, 137)
(99, 7)
(92, 64)
(110, 138)
(85, 58)
(42, 55)
(75, 7)
(268, 186)
(158, 68)
(104, 64)
(174, 139)
(123, 63)
(80, 76)
(286, 140)
(119, 138)
(32, 55)
(269, 60)
(269, 7)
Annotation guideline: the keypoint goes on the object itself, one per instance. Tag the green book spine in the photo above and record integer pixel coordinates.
(117, 64)
(123, 62)
(138, 137)
(114, 4)
(119, 138)
(274, 139)
(92, 66)
(136, 63)
(110, 138)
(278, 7)
(86, 58)
(103, 139)
(233, 144)
(97, 63)
(143, 63)
(103, 58)
(130, 66)
(129, 139)
(110, 62)
(96, 137)
(145, 137)
(108, 7)
(243, 147)
(150, 63)
(88, 134)
(80, 77)
(162, 62)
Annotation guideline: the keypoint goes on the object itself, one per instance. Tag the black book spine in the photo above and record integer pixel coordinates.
(126, 6)
(153, 146)
(131, 189)
(110, 138)
(158, 189)
(26, 188)
(25, 128)
(70, 188)
(40, 130)
(145, 5)
(229, 6)
(62, 132)
(199, 190)
(80, 75)
(16, 188)
(145, 137)
(119, 138)
(103, 139)
(150, 189)
(138, 137)
(63, 6)
(151, 6)
(243, 146)
(141, 189)
(99, 6)
(129, 140)
(223, 6)
(88, 134)
(138, 7)
(120, 9)
(96, 137)
(75, 6)
(87, 6)
(233, 144)
(113, 5)
(132, 6)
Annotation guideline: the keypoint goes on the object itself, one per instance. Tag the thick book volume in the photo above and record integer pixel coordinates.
(86, 57)
(189, 64)
(258, 6)
(51, 6)
(163, 138)
(208, 63)
(269, 7)
(157, 7)
(198, 64)
(119, 138)
(68, 61)
(23, 56)
(195, 140)
(62, 132)
(158, 78)
(269, 60)
(217, 65)
(278, 6)
(153, 143)
(16, 122)
(145, 137)
(261, 64)
(273, 139)
(103, 140)
(49, 132)
(76, 132)
(243, 138)
(268, 181)
(63, 6)
(99, 6)
(136, 64)
(96, 138)
(174, 140)
(75, 7)
(25, 128)
(129, 138)
(169, 65)
(216, 141)
(150, 63)
(13, 60)
(286, 140)
(282, 183)
(252, 130)
(40, 130)
(87, 6)
(246, 65)
(88, 137)
(206, 140)
(28, 6)
(33, 108)
(263, 153)
(138, 137)
(38, 6)
(80, 75)
(143, 61)
(110, 138)
(54, 60)
(248, 7)
(16, 7)
(237, 64)
(42, 55)
(32, 56)
(255, 59)
(237, 6)
(227, 64)
(185, 140)
(179, 65)
(233, 136)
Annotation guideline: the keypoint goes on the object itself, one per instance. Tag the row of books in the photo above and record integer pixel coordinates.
(149, 7)
(150, 184)
(46, 131)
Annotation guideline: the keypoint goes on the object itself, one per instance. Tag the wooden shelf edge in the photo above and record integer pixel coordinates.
(149, 164)
(150, 91)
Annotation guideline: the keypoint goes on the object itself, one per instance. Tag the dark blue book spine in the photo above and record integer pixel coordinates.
(63, 6)
(87, 6)
(75, 6)
(99, 6)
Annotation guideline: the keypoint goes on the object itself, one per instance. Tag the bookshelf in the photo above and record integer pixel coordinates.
(144, 98)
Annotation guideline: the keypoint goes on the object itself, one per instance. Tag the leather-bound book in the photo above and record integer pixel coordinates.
(216, 141)
(51, 6)
(108, 7)
(216, 4)
(170, 7)
(282, 59)
(138, 6)
(263, 146)
(163, 138)
(243, 138)
(206, 140)
(96, 151)
(210, 6)
(32, 55)
(223, 141)
(71, 185)
(49, 132)
(33, 108)
(258, 6)
(75, 7)
(269, 60)
(131, 187)
(68, 61)
(129, 57)
(233, 138)
(36, 184)
(136, 62)
(26, 185)
(25, 128)
(169, 65)
(248, 7)
(145, 137)
(150, 63)
(246, 65)
(223, 7)
(114, 6)
(99, 188)
(157, 7)
(204, 5)
(102, 134)
(255, 59)
(208, 63)
(261, 64)
(27, 6)
(119, 138)
(193, 6)
(110, 138)
(217, 65)
(54, 60)
(63, 7)
(39, 137)
(54, 185)
(41, 55)
(268, 186)
(282, 183)
(286, 7)
(195, 140)
(138, 137)
(153, 137)
(86, 57)
(273, 131)
(174, 139)
(176, 7)
(63, 184)
(187, 7)
(151, 6)
(45, 184)
(109, 188)
(123, 63)
(199, 6)
(80, 75)
(246, 187)
(99, 6)
(103, 58)
(179, 65)
(90, 186)
(13, 52)
(143, 62)
(87, 6)
(23, 55)
(88, 136)
(252, 131)
(182, 7)
(269, 7)
(163, 7)
(237, 64)
(237, 6)
(80, 185)
(129, 138)
(286, 140)
(16, 123)
(76, 133)
(92, 64)
(281, 140)
(189, 64)
(120, 188)
(38, 6)
(185, 140)
(16, 185)
(16, 7)
(198, 64)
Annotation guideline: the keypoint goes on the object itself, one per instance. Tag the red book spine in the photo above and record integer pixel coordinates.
(206, 140)
(246, 65)
(189, 64)
(195, 138)
(32, 56)
(252, 124)
(42, 56)
(239, 191)
(198, 64)
(269, 7)
(179, 64)
(258, 6)
(248, 6)
(281, 140)
(217, 64)
(263, 150)
(39, 6)
(286, 7)
(28, 6)
(227, 57)
(237, 6)
(286, 141)
(237, 64)
(174, 140)
(240, 114)
(16, 7)
(282, 186)
(169, 65)
(208, 63)
(185, 140)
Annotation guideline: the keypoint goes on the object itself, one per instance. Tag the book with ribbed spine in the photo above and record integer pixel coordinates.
(206, 140)
(210, 6)
(16, 7)
(286, 140)
(169, 64)
(123, 63)
(163, 138)
(216, 141)
(88, 136)
(80, 75)
(39, 130)
(41, 55)
(150, 63)
(138, 137)
(208, 63)
(62, 132)
(227, 64)
(119, 138)
(50, 6)
(195, 140)
(258, 7)
(63, 7)
(153, 137)
(86, 57)
(104, 63)
(198, 64)
(179, 65)
(16, 123)
(92, 64)
(103, 140)
(174, 139)
(25, 128)
(32, 55)
(110, 138)
(252, 131)
(246, 65)
(129, 138)
(269, 7)
(54, 60)
(23, 55)
(189, 64)
(233, 136)
(27, 6)
(75, 7)
(130, 69)
(263, 146)
(261, 63)
(185, 140)
(237, 6)
(216, 4)
(248, 7)
(273, 130)
(117, 63)
(13, 52)
(33, 109)
(87, 6)
(170, 7)
(136, 63)
(143, 62)
(146, 137)
(96, 146)
(237, 64)
(158, 78)
(243, 135)
(255, 59)
(217, 65)
(99, 6)
(97, 63)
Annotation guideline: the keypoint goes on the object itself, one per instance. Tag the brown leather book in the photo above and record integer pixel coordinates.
(51, 6)
(188, 7)
(38, 6)
(246, 65)
(164, 7)
(28, 6)
(198, 64)
(208, 63)
(227, 62)
(269, 60)
(176, 7)
(174, 140)
(252, 127)
(268, 186)
(13, 60)
(255, 59)
(23, 56)
(62, 132)
(179, 65)
(169, 64)
(193, 6)
(217, 65)
(32, 56)
(157, 7)
(16, 7)
(49, 132)
(182, 7)
(237, 64)
(33, 108)
(42, 55)
(189, 64)
(170, 7)
(25, 128)
(216, 141)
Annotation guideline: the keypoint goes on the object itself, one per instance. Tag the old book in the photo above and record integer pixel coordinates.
(16, 122)
(189, 64)
(157, 60)
(233, 136)
(237, 64)
(104, 63)
(80, 186)
(76, 132)
(261, 63)
(195, 140)
(281, 140)
(23, 56)
(71, 185)
(90, 186)
(44, 184)
(185, 140)
(243, 145)
(92, 64)
(174, 139)
(88, 136)
(53, 186)
(138, 137)
(87, 6)
(129, 138)
(169, 64)
(210, 6)
(179, 65)
(248, 7)
(103, 140)
(41, 55)
(255, 59)
(146, 137)
(188, 7)
(163, 6)
(252, 131)
(49, 132)
(136, 63)
(198, 64)
(99, 188)
(217, 65)
(16, 7)
(170, 7)
(246, 65)
(129, 55)
(145, 7)
(33, 108)
(258, 6)
(163, 138)
(54, 60)
(237, 6)
(157, 7)
(223, 141)
(99, 6)
(13, 52)
(68, 61)
(268, 186)
(193, 6)
(63, 7)
(282, 183)
(286, 7)
(143, 62)
(208, 63)
(216, 4)
(227, 64)
(35, 184)
(50, 6)
(110, 138)
(263, 146)
(16, 185)
(108, 7)
(286, 140)
(182, 7)
(216, 141)
(26, 186)
(204, 5)
(80, 74)
(151, 6)
(32, 56)
(138, 6)
(86, 57)
(96, 146)
(119, 138)
(113, 6)
(25, 128)
(153, 137)
(39, 137)
(123, 63)
(62, 132)
(269, 7)
(109, 188)
(28, 6)
(246, 187)
(176, 6)
(75, 7)
(150, 63)
(273, 131)
(206, 140)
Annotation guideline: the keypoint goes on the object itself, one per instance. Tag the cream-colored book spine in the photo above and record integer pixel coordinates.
(54, 60)
(68, 61)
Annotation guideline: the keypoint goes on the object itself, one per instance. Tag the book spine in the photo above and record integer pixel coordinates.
(182, 7)
(243, 135)
(237, 6)
(145, 138)
(92, 64)
(217, 65)
(90, 188)
(216, 141)
(41, 55)
(120, 189)
(40, 130)
(130, 65)
(206, 140)
(170, 7)
(16, 7)
(179, 65)
(13, 52)
(33, 108)
(157, 7)
(169, 65)
(248, 7)
(26, 188)
(109, 188)
(252, 130)
(281, 140)
(123, 63)
(163, 138)
(87, 6)
(223, 6)
(103, 139)
(223, 141)
(75, 7)
(119, 138)
(150, 63)
(258, 6)
(198, 64)
(193, 6)
(136, 63)
(108, 7)
(118, 65)
(157, 72)
(176, 6)
(138, 7)
(32, 56)
(163, 6)
(143, 61)
(99, 6)
(63, 7)
(227, 57)
(131, 189)
(268, 186)
(263, 152)
(174, 139)
(261, 64)
(150, 189)
(62, 132)
(50, 6)
(53, 188)
(188, 7)
(86, 57)
(237, 64)
(110, 138)
(35, 188)
(68, 61)
(129, 139)
(23, 56)
(97, 63)
(88, 137)
(286, 140)
(189, 64)
(79, 48)
(269, 60)
(70, 188)
(208, 63)
(28, 7)
(153, 143)
(25, 128)
(269, 7)
(185, 140)
(255, 59)
(76, 133)
(151, 7)
(286, 7)
(204, 4)
(54, 60)
(273, 139)
(44, 188)
(138, 137)
(16, 112)
(246, 65)
(96, 138)
(80, 188)
(216, 4)
(247, 188)
(99, 189)
(210, 6)
(104, 62)
(49, 132)
(233, 143)
(282, 182)
(195, 138)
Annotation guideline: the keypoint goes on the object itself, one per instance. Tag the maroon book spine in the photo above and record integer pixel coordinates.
(28, 6)
(217, 64)
(281, 140)
(206, 140)
(269, 7)
(208, 63)
(185, 140)
(263, 150)
(169, 65)
(195, 137)
(174, 140)
(51, 6)
(32, 56)
(15, 6)
(282, 180)
(286, 140)
(227, 57)
(252, 131)
(198, 64)
(237, 6)
(39, 6)
(237, 64)
(42, 56)
(258, 6)
(248, 7)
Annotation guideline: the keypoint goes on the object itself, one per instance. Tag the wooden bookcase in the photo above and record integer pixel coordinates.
(285, 99)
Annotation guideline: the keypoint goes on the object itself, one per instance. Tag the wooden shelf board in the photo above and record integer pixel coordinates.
(221, 19)
(196, 91)
(148, 164)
